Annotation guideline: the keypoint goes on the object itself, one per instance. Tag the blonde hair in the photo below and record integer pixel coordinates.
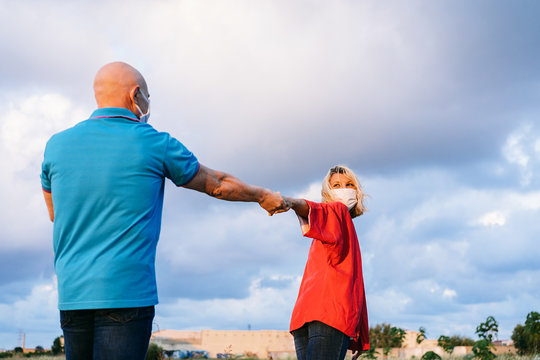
(359, 209)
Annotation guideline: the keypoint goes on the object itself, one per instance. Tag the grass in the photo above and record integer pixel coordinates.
(466, 357)
(500, 357)
(44, 357)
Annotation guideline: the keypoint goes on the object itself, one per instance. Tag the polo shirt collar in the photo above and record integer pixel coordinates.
(114, 112)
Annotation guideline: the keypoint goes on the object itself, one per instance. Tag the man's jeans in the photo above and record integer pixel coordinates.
(107, 334)
(318, 341)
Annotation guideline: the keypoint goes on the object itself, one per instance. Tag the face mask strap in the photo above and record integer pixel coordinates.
(143, 116)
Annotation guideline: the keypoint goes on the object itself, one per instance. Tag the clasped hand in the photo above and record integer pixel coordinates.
(274, 203)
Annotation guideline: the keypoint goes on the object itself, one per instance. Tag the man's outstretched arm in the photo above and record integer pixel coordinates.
(227, 187)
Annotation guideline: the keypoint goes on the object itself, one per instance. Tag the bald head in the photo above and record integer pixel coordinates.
(118, 84)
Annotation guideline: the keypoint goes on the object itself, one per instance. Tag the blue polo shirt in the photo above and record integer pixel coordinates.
(106, 176)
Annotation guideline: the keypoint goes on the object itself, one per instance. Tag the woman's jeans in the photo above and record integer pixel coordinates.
(318, 341)
(107, 334)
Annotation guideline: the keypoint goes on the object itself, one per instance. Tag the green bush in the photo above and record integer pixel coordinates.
(57, 347)
(431, 355)
(482, 350)
(154, 352)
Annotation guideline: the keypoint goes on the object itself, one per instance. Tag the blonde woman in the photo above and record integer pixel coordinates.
(330, 314)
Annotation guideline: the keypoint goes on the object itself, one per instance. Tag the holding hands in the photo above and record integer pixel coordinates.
(274, 203)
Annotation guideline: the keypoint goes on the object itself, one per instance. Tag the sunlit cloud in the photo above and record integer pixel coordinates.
(449, 293)
(495, 218)
(27, 124)
(521, 150)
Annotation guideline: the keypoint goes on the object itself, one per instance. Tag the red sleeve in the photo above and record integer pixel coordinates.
(361, 343)
(325, 222)
(363, 327)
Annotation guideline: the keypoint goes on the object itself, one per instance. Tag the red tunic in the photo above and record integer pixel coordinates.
(332, 289)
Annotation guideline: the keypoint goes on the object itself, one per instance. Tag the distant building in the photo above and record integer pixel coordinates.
(262, 343)
(503, 343)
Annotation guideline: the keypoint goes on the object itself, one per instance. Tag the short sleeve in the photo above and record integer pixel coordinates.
(45, 174)
(325, 222)
(180, 163)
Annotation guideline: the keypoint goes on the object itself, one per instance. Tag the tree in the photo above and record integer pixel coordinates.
(457, 340)
(532, 325)
(398, 334)
(57, 347)
(421, 335)
(527, 338)
(445, 343)
(386, 336)
(383, 336)
(482, 349)
(39, 349)
(520, 337)
(487, 330)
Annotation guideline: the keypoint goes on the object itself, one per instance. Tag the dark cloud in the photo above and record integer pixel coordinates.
(450, 102)
(231, 283)
(21, 265)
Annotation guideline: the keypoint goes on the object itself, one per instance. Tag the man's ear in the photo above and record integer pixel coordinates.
(132, 94)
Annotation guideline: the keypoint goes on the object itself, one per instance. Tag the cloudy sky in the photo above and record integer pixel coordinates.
(435, 105)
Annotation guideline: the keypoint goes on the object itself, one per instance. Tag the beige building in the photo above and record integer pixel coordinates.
(264, 344)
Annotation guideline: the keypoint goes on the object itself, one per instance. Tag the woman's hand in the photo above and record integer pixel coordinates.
(299, 206)
(355, 347)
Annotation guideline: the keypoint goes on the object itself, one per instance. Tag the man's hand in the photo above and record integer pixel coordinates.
(274, 203)
(356, 354)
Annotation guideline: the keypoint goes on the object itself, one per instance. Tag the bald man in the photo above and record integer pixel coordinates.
(103, 182)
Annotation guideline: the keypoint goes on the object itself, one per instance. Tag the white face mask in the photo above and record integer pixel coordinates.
(144, 117)
(345, 196)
